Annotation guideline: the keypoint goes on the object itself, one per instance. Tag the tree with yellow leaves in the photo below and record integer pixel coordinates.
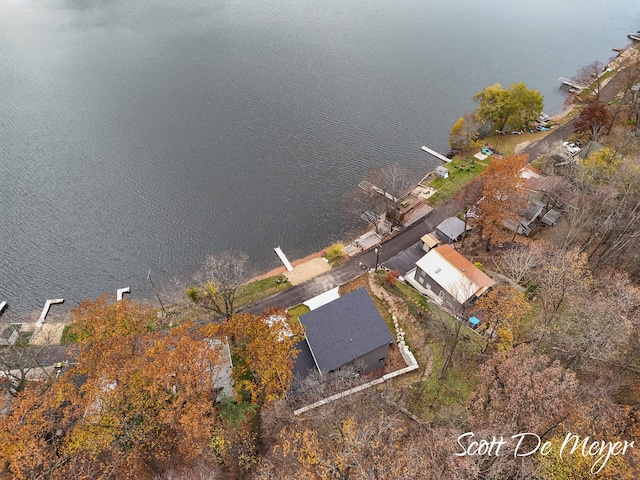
(263, 347)
(503, 308)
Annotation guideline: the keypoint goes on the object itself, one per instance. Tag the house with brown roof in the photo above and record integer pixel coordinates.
(448, 277)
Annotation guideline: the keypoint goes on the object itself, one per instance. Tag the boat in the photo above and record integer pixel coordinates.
(542, 118)
(635, 36)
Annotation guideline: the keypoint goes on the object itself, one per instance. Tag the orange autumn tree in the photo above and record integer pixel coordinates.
(136, 402)
(502, 198)
(264, 352)
(503, 308)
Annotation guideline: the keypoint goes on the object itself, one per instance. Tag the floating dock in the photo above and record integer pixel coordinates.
(45, 311)
(120, 292)
(283, 259)
(436, 154)
(571, 84)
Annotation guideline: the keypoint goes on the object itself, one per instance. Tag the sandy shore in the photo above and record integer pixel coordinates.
(559, 116)
(283, 271)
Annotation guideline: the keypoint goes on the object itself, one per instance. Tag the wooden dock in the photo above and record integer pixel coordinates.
(571, 84)
(45, 311)
(120, 292)
(436, 154)
(370, 187)
(283, 259)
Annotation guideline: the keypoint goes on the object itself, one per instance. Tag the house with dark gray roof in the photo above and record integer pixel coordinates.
(451, 229)
(346, 331)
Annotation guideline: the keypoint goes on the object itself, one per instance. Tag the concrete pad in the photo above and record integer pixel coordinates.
(418, 214)
(307, 270)
(48, 334)
(322, 299)
(480, 156)
(368, 240)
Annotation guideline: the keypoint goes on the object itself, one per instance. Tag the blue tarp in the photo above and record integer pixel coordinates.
(474, 321)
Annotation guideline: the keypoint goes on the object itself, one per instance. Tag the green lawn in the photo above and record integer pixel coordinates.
(432, 398)
(67, 337)
(298, 311)
(458, 178)
(260, 289)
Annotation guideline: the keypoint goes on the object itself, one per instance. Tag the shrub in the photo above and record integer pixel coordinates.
(392, 277)
(336, 252)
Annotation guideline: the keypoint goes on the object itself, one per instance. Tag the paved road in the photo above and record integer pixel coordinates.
(351, 270)
(406, 238)
(558, 135)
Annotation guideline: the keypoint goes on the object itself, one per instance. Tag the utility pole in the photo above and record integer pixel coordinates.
(155, 291)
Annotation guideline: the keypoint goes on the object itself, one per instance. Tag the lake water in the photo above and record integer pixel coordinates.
(149, 134)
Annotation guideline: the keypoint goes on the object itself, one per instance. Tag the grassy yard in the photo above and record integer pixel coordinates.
(298, 311)
(260, 289)
(461, 172)
(67, 337)
(460, 177)
(440, 399)
(432, 398)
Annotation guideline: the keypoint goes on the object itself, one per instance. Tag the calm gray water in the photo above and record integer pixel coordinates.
(137, 135)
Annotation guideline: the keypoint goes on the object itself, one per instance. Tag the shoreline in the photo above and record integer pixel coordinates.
(283, 271)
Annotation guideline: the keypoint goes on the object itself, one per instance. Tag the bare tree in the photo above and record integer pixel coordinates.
(591, 75)
(518, 263)
(218, 281)
(630, 95)
(380, 193)
(21, 362)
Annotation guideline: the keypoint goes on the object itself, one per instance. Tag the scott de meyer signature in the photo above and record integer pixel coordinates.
(601, 451)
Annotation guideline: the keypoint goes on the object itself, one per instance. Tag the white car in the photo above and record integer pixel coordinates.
(570, 148)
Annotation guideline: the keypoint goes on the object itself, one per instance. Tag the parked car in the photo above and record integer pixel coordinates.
(570, 148)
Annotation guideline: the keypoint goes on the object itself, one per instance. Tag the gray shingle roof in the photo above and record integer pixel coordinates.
(304, 363)
(406, 259)
(345, 329)
(452, 227)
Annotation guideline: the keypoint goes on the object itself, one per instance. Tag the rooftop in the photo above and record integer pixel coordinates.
(344, 330)
(453, 272)
(452, 227)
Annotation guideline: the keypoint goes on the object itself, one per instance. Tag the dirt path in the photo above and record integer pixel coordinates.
(419, 346)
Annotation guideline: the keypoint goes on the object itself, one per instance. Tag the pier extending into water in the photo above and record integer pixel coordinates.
(283, 259)
(571, 84)
(436, 154)
(45, 311)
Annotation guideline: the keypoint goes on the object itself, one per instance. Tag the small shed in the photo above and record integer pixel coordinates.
(429, 241)
(442, 171)
(551, 217)
(451, 229)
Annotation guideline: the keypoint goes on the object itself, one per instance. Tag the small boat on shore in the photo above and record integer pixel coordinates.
(635, 36)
